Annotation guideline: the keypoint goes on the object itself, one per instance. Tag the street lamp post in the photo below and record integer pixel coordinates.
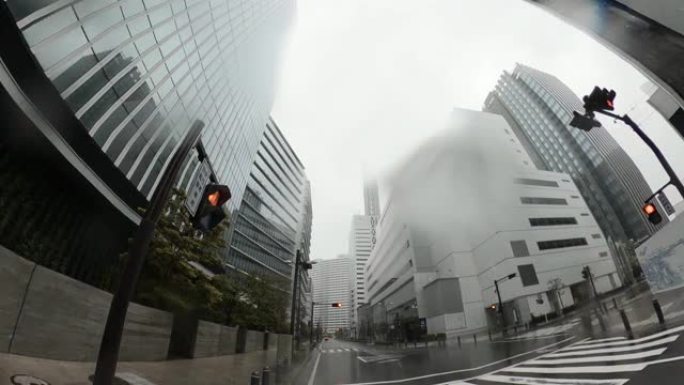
(311, 332)
(295, 286)
(498, 294)
(108, 355)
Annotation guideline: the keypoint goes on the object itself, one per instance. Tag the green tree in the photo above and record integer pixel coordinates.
(178, 274)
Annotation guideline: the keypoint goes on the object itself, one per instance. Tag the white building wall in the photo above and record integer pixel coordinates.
(331, 281)
(454, 213)
(361, 242)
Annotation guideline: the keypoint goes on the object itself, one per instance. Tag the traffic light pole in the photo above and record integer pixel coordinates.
(674, 179)
(108, 355)
(295, 286)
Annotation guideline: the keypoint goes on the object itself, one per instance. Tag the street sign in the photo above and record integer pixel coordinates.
(196, 189)
(669, 209)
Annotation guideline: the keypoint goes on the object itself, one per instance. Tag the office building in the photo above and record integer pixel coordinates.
(466, 209)
(539, 107)
(332, 283)
(361, 242)
(108, 89)
(648, 34)
(274, 219)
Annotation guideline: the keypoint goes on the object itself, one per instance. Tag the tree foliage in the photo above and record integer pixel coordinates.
(183, 274)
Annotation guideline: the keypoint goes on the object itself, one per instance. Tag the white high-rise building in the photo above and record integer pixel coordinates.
(361, 243)
(331, 281)
(371, 198)
(469, 208)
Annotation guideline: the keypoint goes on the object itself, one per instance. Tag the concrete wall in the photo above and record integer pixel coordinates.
(254, 341)
(47, 314)
(284, 355)
(214, 340)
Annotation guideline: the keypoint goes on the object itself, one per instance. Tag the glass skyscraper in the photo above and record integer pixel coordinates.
(137, 74)
(111, 87)
(538, 107)
(274, 219)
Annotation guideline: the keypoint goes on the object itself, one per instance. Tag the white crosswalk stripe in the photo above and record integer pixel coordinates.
(619, 349)
(535, 381)
(606, 361)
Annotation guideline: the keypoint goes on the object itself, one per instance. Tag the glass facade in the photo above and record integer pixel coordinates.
(137, 74)
(538, 108)
(274, 219)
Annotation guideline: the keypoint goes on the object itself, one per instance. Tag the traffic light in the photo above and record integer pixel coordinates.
(584, 122)
(652, 213)
(586, 272)
(600, 99)
(336, 304)
(210, 212)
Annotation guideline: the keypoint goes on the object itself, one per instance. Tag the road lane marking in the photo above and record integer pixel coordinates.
(540, 381)
(313, 371)
(339, 350)
(619, 349)
(620, 357)
(463, 370)
(346, 349)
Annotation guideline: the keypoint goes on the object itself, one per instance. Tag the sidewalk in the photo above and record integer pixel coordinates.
(223, 370)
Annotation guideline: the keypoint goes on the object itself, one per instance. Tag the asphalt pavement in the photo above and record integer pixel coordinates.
(343, 362)
(588, 346)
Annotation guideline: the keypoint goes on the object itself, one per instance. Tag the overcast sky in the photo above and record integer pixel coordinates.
(363, 82)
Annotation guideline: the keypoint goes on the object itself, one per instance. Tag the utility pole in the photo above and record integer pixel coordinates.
(108, 355)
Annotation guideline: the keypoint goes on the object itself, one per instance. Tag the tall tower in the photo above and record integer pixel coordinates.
(371, 198)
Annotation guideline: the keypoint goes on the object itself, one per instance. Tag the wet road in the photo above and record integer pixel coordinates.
(532, 359)
(342, 362)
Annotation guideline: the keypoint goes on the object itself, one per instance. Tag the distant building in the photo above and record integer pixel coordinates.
(371, 198)
(539, 107)
(361, 242)
(468, 208)
(331, 280)
(274, 219)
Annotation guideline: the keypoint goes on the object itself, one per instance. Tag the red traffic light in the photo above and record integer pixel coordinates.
(652, 213)
(336, 304)
(649, 208)
(210, 213)
(600, 99)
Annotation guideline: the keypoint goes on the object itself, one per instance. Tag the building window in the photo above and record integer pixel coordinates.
(603, 254)
(536, 182)
(562, 243)
(585, 214)
(574, 196)
(542, 201)
(565, 180)
(528, 275)
(596, 236)
(555, 221)
(519, 249)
